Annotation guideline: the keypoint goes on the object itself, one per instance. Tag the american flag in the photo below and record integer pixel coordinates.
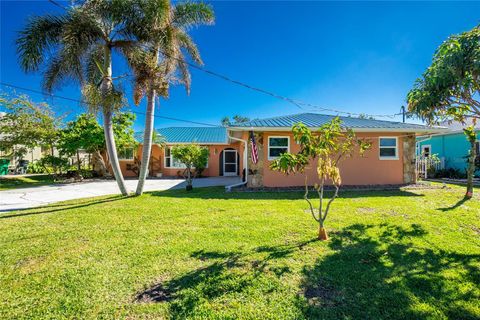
(254, 148)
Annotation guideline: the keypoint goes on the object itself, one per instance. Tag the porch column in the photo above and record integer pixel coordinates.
(255, 170)
(409, 159)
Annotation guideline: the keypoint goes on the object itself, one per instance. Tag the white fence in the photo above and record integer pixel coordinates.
(424, 164)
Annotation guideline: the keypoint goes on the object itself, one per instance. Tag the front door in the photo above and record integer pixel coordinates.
(230, 162)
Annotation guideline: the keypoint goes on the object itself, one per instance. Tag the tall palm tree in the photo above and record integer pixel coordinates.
(77, 47)
(163, 30)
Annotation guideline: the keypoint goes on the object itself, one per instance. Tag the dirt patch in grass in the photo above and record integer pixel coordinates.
(157, 293)
(321, 294)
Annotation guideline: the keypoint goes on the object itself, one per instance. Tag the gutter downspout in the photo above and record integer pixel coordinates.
(245, 166)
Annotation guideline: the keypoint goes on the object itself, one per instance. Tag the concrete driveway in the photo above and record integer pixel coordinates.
(38, 196)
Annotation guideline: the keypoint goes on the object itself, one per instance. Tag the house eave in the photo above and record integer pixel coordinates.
(415, 130)
(199, 143)
(444, 133)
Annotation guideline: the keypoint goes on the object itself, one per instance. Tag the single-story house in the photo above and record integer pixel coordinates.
(451, 146)
(391, 160)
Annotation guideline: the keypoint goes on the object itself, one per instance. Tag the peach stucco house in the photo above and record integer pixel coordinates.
(390, 161)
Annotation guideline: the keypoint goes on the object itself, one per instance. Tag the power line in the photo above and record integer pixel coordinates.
(295, 102)
(86, 103)
(143, 113)
(57, 4)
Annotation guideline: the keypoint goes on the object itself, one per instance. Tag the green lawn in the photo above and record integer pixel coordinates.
(412, 254)
(10, 182)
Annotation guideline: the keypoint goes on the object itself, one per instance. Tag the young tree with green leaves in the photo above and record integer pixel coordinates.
(162, 29)
(83, 133)
(324, 149)
(26, 125)
(192, 156)
(449, 89)
(86, 133)
(77, 47)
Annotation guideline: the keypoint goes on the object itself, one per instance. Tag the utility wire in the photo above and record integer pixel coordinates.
(295, 102)
(86, 103)
(52, 96)
(57, 4)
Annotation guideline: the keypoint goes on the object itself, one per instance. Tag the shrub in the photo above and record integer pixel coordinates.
(36, 167)
(450, 173)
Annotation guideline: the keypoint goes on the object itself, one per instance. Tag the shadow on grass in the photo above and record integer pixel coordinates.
(386, 277)
(219, 193)
(57, 207)
(227, 273)
(456, 205)
(374, 272)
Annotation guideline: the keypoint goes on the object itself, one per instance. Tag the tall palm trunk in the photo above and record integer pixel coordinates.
(148, 133)
(147, 140)
(108, 124)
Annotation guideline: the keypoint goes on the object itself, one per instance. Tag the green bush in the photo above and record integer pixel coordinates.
(36, 167)
(449, 173)
(54, 165)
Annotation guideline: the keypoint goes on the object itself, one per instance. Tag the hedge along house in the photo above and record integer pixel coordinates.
(391, 160)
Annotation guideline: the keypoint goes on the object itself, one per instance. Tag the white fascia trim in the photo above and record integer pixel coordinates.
(395, 130)
(443, 133)
(199, 143)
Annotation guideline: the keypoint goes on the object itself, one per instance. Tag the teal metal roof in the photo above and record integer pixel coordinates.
(206, 135)
(315, 120)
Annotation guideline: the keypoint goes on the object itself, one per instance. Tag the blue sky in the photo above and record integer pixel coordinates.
(359, 57)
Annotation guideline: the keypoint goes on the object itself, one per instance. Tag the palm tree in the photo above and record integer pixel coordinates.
(162, 29)
(77, 46)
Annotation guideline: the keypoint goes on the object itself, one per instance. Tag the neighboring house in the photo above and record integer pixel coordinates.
(391, 160)
(451, 145)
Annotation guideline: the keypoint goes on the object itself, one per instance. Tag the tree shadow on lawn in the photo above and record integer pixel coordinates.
(219, 193)
(456, 205)
(228, 273)
(56, 207)
(379, 277)
(387, 277)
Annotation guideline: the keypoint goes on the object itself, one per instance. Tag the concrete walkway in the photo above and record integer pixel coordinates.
(38, 196)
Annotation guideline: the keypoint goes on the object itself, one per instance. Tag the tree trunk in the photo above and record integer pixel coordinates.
(112, 152)
(98, 164)
(106, 86)
(189, 180)
(78, 162)
(322, 233)
(147, 140)
(471, 169)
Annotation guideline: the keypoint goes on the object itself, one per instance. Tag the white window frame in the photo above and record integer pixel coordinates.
(127, 159)
(422, 151)
(171, 157)
(268, 150)
(396, 148)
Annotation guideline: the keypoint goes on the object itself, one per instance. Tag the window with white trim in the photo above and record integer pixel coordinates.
(277, 146)
(126, 154)
(388, 148)
(170, 161)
